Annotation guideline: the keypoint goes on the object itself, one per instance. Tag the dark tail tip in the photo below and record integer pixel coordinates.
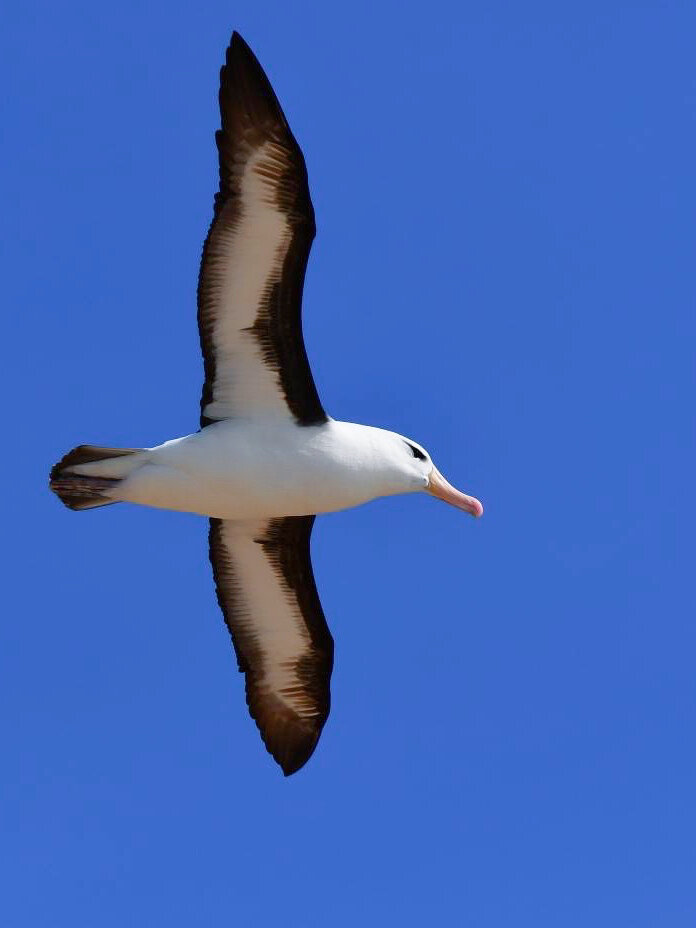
(78, 491)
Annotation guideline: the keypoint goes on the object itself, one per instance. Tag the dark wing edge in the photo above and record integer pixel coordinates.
(290, 719)
(251, 116)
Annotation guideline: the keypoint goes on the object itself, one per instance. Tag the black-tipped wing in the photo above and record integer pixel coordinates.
(255, 257)
(266, 590)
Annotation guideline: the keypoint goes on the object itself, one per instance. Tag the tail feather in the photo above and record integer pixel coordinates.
(81, 491)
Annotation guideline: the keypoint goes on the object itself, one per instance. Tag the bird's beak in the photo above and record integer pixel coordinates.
(443, 490)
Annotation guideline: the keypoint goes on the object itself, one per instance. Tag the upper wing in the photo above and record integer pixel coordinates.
(266, 590)
(254, 258)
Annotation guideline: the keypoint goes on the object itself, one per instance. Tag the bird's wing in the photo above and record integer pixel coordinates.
(266, 590)
(254, 258)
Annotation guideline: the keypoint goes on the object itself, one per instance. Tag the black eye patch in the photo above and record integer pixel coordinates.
(417, 453)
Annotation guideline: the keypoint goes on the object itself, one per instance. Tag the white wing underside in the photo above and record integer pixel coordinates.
(267, 610)
(245, 263)
(265, 587)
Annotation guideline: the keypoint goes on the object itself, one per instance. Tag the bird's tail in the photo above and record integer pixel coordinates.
(88, 475)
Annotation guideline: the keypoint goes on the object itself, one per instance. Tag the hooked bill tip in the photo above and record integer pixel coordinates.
(443, 490)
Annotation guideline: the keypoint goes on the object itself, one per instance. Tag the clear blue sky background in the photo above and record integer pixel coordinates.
(504, 272)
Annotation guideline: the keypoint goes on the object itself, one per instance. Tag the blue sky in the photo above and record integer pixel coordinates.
(504, 272)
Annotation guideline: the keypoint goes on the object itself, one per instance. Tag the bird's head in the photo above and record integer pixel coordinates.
(428, 478)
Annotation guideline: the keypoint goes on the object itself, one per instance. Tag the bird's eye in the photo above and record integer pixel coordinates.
(417, 453)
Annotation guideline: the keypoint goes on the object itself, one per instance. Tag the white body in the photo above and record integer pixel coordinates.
(251, 469)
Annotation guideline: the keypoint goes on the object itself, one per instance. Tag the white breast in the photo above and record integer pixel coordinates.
(242, 469)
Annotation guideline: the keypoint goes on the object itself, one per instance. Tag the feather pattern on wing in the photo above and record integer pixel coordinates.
(266, 590)
(255, 257)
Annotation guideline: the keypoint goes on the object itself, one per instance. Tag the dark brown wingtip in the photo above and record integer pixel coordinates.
(238, 42)
(293, 759)
(239, 55)
(244, 83)
(289, 740)
(240, 49)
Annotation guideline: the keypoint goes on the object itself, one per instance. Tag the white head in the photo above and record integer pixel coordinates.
(414, 470)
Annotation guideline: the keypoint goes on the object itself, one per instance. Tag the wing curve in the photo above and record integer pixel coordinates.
(266, 590)
(255, 257)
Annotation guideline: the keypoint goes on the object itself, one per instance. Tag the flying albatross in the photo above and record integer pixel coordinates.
(267, 457)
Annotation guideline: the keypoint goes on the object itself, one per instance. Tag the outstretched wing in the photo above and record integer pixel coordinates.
(255, 257)
(266, 590)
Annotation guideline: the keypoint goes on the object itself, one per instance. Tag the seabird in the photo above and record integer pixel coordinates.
(267, 458)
